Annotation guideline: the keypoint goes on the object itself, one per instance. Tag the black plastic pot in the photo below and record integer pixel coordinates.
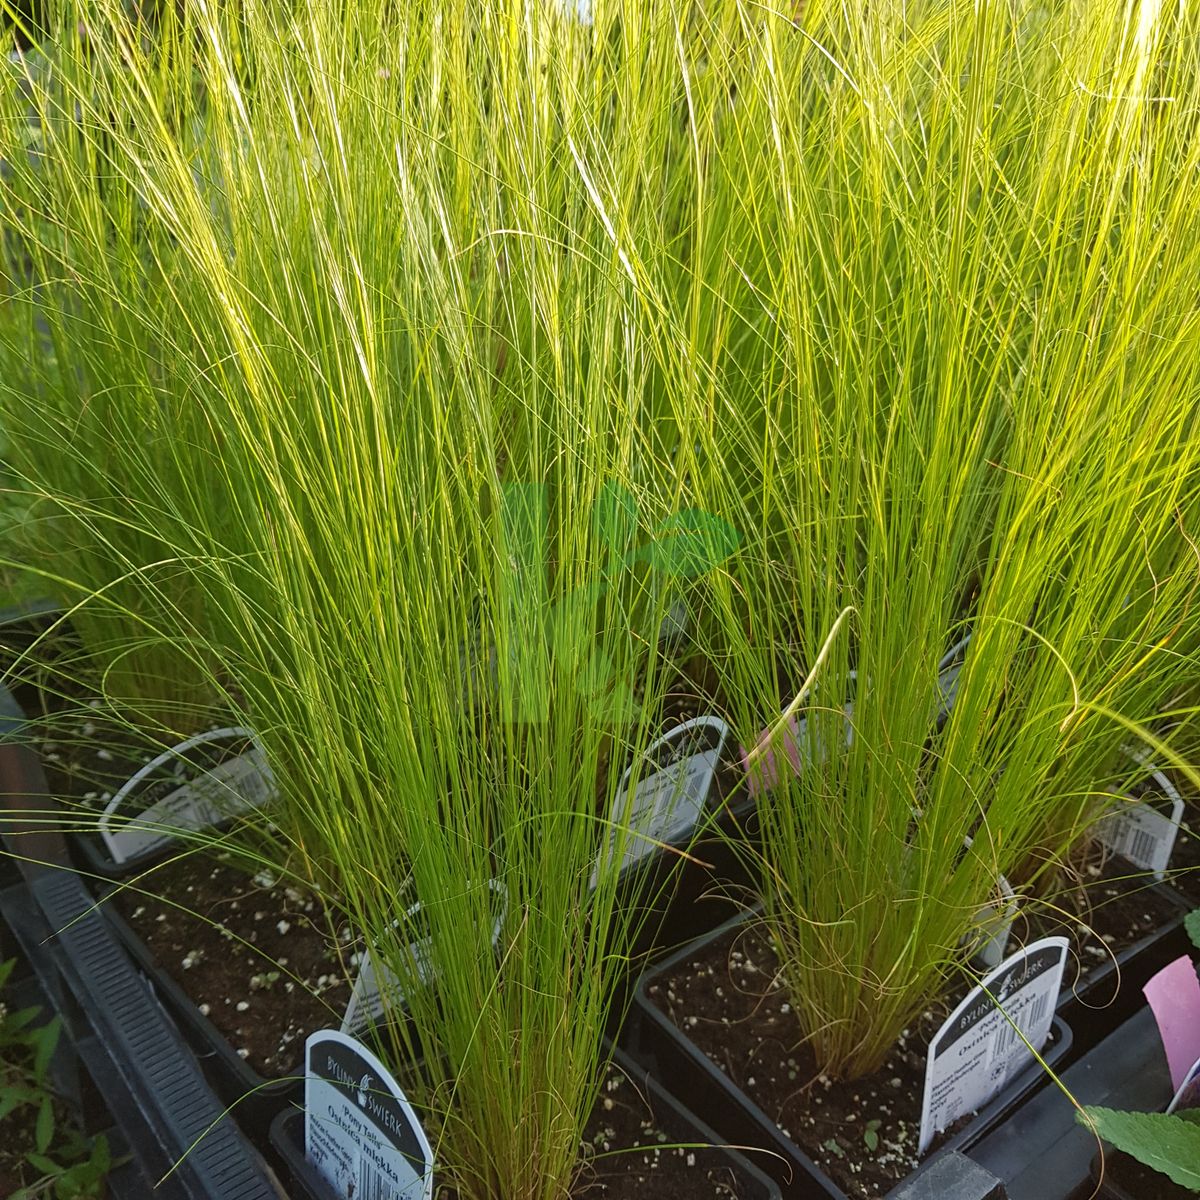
(151, 1081)
(662, 1047)
(20, 628)
(695, 903)
(1041, 1152)
(287, 1139)
(684, 898)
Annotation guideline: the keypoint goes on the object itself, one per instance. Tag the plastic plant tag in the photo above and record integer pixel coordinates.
(949, 671)
(792, 738)
(1188, 1093)
(763, 774)
(196, 785)
(671, 794)
(1174, 996)
(378, 989)
(360, 1132)
(1139, 830)
(993, 924)
(983, 1043)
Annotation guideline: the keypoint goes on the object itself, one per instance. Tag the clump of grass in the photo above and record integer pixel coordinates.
(351, 277)
(963, 398)
(87, 410)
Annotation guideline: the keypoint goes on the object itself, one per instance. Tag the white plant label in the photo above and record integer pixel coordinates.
(193, 786)
(993, 924)
(670, 796)
(982, 1044)
(378, 989)
(360, 1132)
(1142, 830)
(1188, 1095)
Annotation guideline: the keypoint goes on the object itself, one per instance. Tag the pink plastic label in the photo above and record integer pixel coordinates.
(763, 772)
(1174, 996)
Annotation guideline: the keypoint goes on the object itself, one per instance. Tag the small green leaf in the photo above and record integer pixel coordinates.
(1192, 924)
(85, 1178)
(101, 1159)
(48, 1037)
(1168, 1144)
(871, 1134)
(44, 1130)
(6, 969)
(21, 1018)
(13, 1097)
(47, 1166)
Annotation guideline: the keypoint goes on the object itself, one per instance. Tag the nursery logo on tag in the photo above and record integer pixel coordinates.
(360, 1132)
(684, 546)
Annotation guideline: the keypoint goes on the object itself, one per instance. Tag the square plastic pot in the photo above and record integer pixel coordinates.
(658, 1043)
(304, 1183)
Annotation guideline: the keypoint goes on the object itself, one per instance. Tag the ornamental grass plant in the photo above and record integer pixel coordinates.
(88, 415)
(971, 407)
(398, 413)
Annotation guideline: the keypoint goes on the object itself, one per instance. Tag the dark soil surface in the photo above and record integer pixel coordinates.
(631, 1151)
(17, 1140)
(266, 963)
(1184, 872)
(656, 1153)
(727, 1001)
(1105, 906)
(87, 755)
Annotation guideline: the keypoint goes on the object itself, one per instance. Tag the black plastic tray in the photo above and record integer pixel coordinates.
(175, 1126)
(254, 1099)
(1041, 1152)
